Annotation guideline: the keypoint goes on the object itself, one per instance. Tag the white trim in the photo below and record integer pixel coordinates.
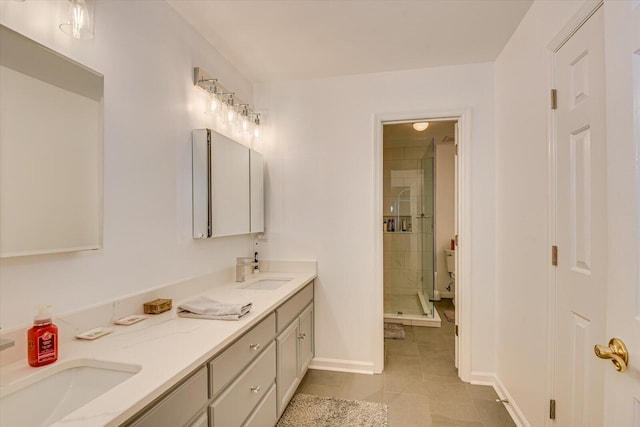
(512, 407)
(483, 378)
(339, 365)
(490, 379)
(551, 236)
(570, 28)
(463, 269)
(408, 320)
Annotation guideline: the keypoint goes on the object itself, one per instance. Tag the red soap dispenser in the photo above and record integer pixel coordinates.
(42, 339)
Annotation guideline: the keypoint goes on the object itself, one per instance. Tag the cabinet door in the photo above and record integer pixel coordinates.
(287, 374)
(305, 340)
(180, 405)
(257, 191)
(201, 421)
(230, 197)
(201, 173)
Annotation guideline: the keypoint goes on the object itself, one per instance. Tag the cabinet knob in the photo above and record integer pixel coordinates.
(255, 389)
(302, 336)
(254, 346)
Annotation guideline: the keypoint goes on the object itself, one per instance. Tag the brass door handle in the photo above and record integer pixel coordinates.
(616, 351)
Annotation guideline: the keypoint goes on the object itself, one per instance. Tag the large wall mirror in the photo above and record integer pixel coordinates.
(51, 155)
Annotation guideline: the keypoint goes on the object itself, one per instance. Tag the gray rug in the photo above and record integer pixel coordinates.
(393, 331)
(306, 410)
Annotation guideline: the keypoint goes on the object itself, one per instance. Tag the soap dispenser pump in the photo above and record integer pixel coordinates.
(42, 339)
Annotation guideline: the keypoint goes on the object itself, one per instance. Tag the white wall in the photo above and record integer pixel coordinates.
(522, 167)
(147, 54)
(320, 201)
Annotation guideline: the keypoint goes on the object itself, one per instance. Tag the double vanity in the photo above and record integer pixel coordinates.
(174, 371)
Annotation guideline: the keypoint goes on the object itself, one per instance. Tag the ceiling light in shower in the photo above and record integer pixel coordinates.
(420, 126)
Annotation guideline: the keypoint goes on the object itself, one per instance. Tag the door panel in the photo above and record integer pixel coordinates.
(622, 20)
(581, 225)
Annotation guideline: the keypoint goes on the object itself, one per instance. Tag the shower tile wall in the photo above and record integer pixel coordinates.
(403, 176)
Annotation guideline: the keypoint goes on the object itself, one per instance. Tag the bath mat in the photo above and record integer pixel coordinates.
(450, 315)
(393, 331)
(306, 410)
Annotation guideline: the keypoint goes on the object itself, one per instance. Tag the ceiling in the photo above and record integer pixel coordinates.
(269, 40)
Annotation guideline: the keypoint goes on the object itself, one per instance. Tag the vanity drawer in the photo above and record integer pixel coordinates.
(294, 305)
(266, 414)
(224, 368)
(179, 405)
(234, 405)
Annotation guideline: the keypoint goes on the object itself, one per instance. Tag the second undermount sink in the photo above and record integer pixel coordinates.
(48, 396)
(267, 284)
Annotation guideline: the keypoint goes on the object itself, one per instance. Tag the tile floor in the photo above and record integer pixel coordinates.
(419, 384)
(407, 304)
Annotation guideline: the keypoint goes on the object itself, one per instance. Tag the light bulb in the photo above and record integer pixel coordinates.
(245, 124)
(79, 19)
(256, 131)
(231, 114)
(215, 103)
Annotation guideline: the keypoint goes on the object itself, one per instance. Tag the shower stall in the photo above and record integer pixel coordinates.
(408, 227)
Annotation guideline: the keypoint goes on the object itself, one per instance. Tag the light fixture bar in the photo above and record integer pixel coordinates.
(214, 88)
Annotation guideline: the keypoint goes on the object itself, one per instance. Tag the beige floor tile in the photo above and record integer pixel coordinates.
(420, 384)
(408, 410)
(320, 390)
(493, 413)
(369, 388)
(401, 347)
(315, 376)
(456, 412)
(403, 366)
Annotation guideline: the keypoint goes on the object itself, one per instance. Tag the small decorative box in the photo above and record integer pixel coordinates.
(157, 306)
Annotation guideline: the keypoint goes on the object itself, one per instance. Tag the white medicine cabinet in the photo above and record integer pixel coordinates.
(228, 187)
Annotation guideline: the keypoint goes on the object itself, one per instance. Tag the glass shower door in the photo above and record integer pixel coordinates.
(427, 218)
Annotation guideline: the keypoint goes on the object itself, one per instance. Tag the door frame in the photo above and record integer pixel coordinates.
(569, 29)
(463, 266)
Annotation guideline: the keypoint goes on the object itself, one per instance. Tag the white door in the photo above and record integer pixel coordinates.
(622, 390)
(581, 235)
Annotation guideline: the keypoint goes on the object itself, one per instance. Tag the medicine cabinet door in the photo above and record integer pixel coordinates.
(230, 198)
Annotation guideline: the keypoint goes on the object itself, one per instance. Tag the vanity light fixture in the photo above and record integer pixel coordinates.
(245, 124)
(256, 126)
(420, 126)
(78, 19)
(230, 109)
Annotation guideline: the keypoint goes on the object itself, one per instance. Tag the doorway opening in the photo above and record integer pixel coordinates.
(432, 279)
(418, 220)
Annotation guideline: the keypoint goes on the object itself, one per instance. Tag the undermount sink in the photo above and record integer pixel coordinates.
(48, 396)
(266, 284)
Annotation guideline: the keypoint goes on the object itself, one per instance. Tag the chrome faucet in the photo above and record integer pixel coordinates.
(241, 263)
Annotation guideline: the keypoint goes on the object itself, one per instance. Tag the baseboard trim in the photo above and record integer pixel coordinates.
(340, 365)
(512, 407)
(482, 378)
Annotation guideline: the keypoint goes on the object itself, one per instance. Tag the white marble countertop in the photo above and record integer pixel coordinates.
(165, 346)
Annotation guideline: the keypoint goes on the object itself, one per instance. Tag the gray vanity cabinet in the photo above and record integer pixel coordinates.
(183, 406)
(295, 344)
(250, 382)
